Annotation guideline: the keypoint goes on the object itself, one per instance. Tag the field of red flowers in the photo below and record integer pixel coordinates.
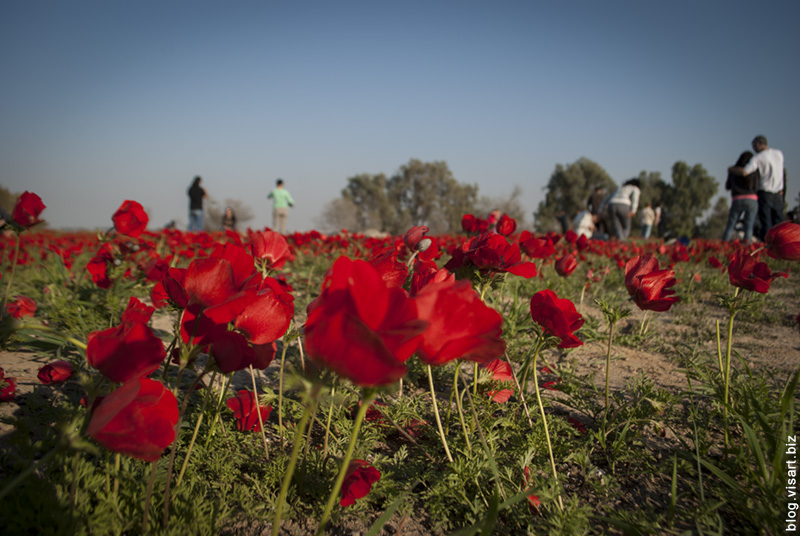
(494, 382)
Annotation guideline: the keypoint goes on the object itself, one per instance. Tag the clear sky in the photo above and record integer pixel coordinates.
(110, 100)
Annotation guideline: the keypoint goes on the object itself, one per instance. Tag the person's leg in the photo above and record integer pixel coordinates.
(275, 218)
(776, 204)
(750, 208)
(646, 228)
(193, 224)
(624, 211)
(733, 216)
(616, 221)
(199, 220)
(764, 216)
(282, 216)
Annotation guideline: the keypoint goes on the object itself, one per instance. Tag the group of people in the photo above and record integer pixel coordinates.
(612, 215)
(757, 183)
(282, 201)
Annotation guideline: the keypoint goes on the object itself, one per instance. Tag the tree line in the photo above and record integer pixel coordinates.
(427, 193)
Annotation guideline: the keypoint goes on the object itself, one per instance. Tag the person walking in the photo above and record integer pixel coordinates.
(769, 164)
(281, 202)
(647, 220)
(621, 207)
(196, 195)
(744, 199)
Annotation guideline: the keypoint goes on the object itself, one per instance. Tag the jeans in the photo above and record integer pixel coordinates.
(196, 220)
(770, 212)
(620, 222)
(748, 207)
(646, 228)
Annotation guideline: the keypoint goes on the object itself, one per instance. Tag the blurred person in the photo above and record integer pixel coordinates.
(281, 203)
(228, 220)
(196, 195)
(744, 199)
(647, 219)
(620, 207)
(769, 164)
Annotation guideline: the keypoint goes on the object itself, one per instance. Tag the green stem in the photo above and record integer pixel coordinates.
(546, 429)
(280, 394)
(366, 402)
(194, 434)
(728, 347)
(287, 478)
(436, 413)
(117, 459)
(719, 351)
(11, 276)
(218, 408)
(328, 424)
(459, 403)
(258, 412)
(453, 391)
(608, 365)
(148, 497)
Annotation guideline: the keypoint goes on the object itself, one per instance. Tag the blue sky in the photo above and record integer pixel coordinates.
(108, 100)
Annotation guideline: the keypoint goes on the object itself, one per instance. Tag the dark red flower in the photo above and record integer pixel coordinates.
(55, 372)
(361, 328)
(244, 409)
(747, 273)
(125, 352)
(500, 370)
(23, 306)
(557, 316)
(415, 236)
(505, 225)
(714, 262)
(491, 252)
(648, 285)
(460, 326)
(27, 209)
(393, 272)
(578, 425)
(98, 266)
(570, 236)
(421, 278)
(130, 219)
(783, 241)
(136, 311)
(137, 419)
(358, 482)
(264, 354)
(8, 387)
(566, 265)
(270, 247)
(231, 352)
(537, 248)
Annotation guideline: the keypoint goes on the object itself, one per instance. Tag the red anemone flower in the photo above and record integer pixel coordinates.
(505, 225)
(8, 387)
(55, 372)
(27, 209)
(747, 273)
(566, 265)
(648, 285)
(137, 419)
(271, 247)
(130, 219)
(783, 241)
(358, 482)
(460, 326)
(557, 316)
(243, 406)
(361, 328)
(22, 307)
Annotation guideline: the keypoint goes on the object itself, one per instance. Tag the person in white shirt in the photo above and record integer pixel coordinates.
(621, 207)
(647, 219)
(769, 164)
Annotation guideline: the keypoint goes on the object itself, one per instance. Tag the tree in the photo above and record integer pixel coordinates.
(426, 193)
(687, 198)
(214, 211)
(509, 205)
(420, 193)
(569, 189)
(714, 225)
(7, 199)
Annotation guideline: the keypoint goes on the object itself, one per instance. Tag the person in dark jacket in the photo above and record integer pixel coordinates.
(744, 193)
(196, 195)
